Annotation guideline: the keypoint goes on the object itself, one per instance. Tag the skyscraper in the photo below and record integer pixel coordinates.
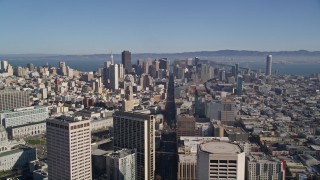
(126, 61)
(239, 85)
(4, 65)
(114, 76)
(30, 66)
(69, 148)
(134, 130)
(237, 69)
(269, 65)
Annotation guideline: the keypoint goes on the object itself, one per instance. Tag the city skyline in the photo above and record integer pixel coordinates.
(158, 27)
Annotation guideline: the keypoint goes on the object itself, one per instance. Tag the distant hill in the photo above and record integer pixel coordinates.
(222, 55)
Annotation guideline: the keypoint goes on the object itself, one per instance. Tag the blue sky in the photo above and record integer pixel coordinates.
(101, 26)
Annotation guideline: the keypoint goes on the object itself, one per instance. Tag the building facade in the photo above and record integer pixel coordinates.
(121, 165)
(17, 158)
(263, 167)
(31, 129)
(186, 125)
(136, 131)
(69, 148)
(187, 166)
(220, 160)
(23, 116)
(10, 99)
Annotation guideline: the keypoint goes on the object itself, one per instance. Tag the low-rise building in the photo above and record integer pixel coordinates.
(121, 165)
(27, 130)
(261, 166)
(17, 158)
(23, 116)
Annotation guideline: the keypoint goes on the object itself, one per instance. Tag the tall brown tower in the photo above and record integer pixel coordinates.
(126, 61)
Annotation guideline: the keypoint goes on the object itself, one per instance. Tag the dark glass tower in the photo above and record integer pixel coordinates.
(126, 61)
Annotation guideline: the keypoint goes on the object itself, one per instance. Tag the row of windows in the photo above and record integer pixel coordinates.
(80, 126)
(223, 161)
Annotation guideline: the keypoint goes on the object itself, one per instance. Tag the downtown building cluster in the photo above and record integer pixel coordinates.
(189, 119)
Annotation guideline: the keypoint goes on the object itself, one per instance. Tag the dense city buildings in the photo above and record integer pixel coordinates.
(69, 148)
(136, 131)
(182, 120)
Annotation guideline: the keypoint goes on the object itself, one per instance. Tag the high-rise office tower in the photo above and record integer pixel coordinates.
(121, 165)
(196, 61)
(134, 130)
(114, 76)
(126, 61)
(120, 71)
(30, 66)
(4, 65)
(163, 63)
(62, 68)
(220, 160)
(10, 99)
(237, 69)
(69, 148)
(128, 102)
(239, 85)
(222, 75)
(269, 65)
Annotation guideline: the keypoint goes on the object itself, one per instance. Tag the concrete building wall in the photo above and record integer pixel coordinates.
(27, 130)
(220, 160)
(121, 165)
(136, 131)
(10, 99)
(24, 116)
(16, 158)
(69, 149)
(101, 124)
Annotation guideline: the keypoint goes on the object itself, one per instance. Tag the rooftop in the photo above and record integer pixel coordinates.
(220, 148)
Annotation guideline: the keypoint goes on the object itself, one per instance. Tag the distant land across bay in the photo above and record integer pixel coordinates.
(300, 62)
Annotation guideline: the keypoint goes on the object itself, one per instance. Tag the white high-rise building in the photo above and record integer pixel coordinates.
(69, 148)
(121, 73)
(121, 165)
(269, 65)
(134, 130)
(4, 65)
(114, 76)
(220, 160)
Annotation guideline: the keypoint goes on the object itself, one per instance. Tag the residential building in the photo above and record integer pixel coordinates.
(264, 167)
